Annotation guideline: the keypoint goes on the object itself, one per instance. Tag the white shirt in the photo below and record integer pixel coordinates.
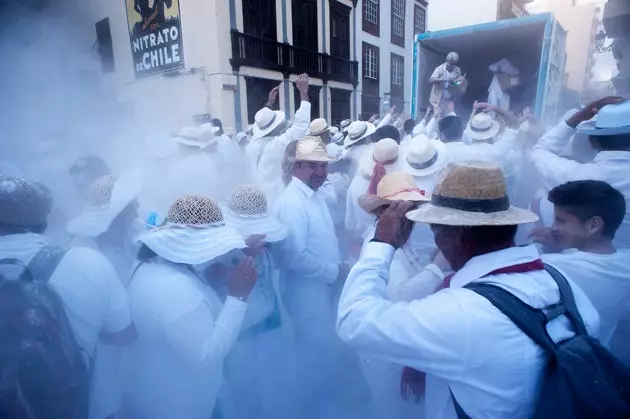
(311, 251)
(175, 369)
(357, 220)
(455, 335)
(607, 166)
(265, 154)
(605, 279)
(95, 301)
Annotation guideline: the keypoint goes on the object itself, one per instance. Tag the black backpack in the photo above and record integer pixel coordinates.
(44, 371)
(583, 379)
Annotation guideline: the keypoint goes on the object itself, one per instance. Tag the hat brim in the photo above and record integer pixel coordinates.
(370, 203)
(259, 133)
(484, 135)
(314, 133)
(192, 246)
(273, 229)
(94, 222)
(193, 143)
(319, 158)
(432, 214)
(440, 162)
(590, 128)
(371, 129)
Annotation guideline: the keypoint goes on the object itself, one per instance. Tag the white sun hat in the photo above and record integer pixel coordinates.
(385, 152)
(471, 194)
(108, 196)
(345, 124)
(423, 156)
(610, 120)
(335, 135)
(195, 137)
(395, 186)
(482, 127)
(318, 126)
(247, 211)
(357, 131)
(194, 232)
(266, 120)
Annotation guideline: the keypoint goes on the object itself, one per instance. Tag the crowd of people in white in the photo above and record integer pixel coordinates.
(303, 270)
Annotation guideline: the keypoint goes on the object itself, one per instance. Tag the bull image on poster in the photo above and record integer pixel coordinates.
(155, 35)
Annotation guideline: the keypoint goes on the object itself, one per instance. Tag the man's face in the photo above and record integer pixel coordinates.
(450, 241)
(569, 231)
(450, 65)
(312, 173)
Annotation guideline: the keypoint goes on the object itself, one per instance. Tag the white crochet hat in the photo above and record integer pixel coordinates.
(108, 196)
(247, 211)
(194, 232)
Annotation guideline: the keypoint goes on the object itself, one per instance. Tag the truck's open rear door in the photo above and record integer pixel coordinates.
(552, 65)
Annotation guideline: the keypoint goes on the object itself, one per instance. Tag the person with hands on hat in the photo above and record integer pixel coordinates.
(272, 133)
(461, 351)
(606, 122)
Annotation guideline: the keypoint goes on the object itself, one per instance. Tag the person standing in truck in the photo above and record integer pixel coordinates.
(442, 77)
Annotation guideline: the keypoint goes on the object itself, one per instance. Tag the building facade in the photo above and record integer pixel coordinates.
(384, 43)
(582, 23)
(178, 60)
(447, 14)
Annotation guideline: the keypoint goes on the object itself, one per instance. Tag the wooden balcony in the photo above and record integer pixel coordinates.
(252, 51)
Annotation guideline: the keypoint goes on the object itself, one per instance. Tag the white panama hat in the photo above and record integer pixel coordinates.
(266, 120)
(336, 152)
(318, 126)
(195, 232)
(247, 211)
(423, 156)
(482, 127)
(610, 120)
(471, 194)
(195, 137)
(108, 196)
(312, 149)
(357, 131)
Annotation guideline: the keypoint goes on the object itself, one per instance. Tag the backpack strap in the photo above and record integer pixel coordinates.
(530, 320)
(44, 264)
(567, 300)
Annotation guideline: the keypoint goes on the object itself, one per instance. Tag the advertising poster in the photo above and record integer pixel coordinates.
(156, 36)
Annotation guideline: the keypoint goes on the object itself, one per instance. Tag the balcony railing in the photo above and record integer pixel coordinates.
(252, 51)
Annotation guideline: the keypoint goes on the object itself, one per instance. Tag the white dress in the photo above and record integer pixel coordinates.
(175, 368)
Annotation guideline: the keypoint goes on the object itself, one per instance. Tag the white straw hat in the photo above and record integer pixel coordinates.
(357, 131)
(471, 194)
(345, 124)
(266, 120)
(247, 211)
(312, 149)
(385, 152)
(482, 127)
(336, 152)
(194, 233)
(108, 196)
(318, 126)
(195, 137)
(423, 157)
(395, 186)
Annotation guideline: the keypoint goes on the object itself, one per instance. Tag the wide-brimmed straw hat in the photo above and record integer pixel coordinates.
(610, 120)
(313, 149)
(336, 152)
(335, 135)
(195, 137)
(423, 156)
(318, 126)
(357, 131)
(107, 197)
(385, 152)
(266, 120)
(395, 186)
(482, 127)
(471, 194)
(195, 232)
(247, 211)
